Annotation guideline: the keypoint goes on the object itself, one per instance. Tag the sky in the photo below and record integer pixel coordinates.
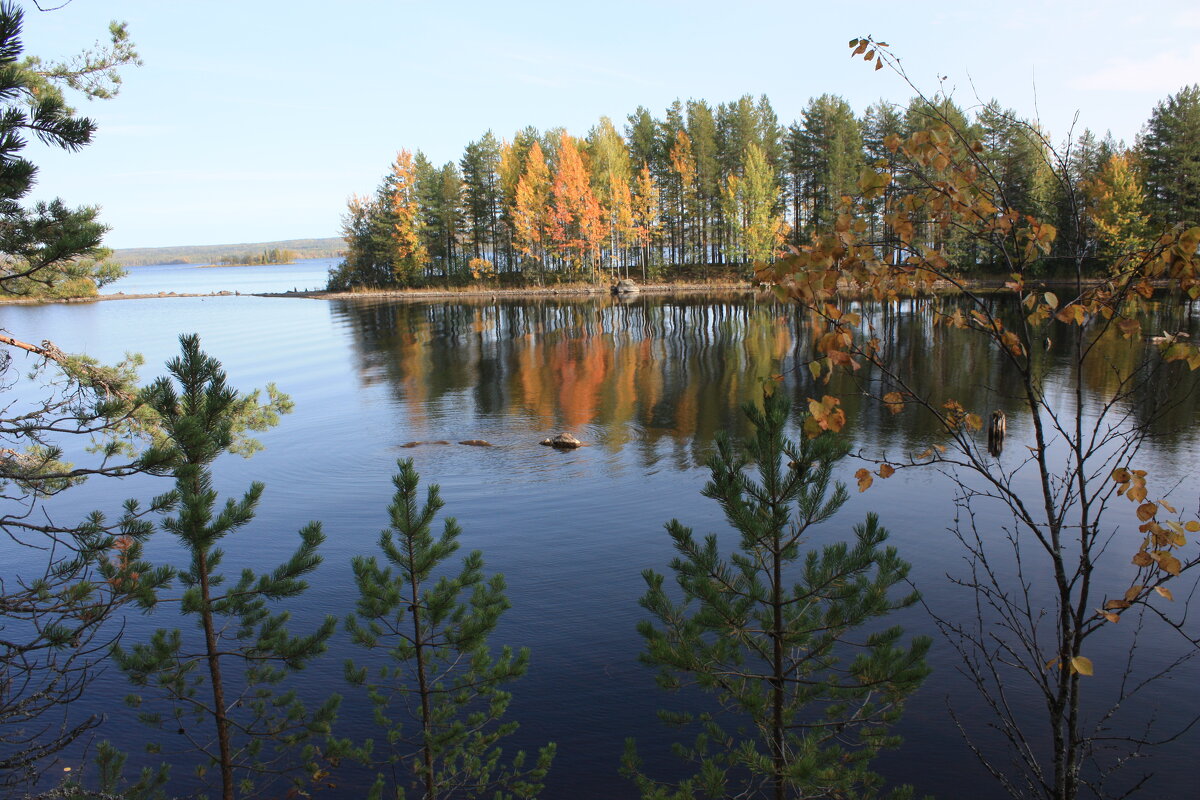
(255, 121)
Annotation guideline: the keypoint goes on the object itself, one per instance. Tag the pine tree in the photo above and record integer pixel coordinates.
(773, 633)
(825, 155)
(1170, 149)
(57, 615)
(242, 724)
(482, 194)
(442, 671)
(880, 121)
(702, 130)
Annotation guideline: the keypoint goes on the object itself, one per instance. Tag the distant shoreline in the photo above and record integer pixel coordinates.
(528, 291)
(401, 294)
(579, 290)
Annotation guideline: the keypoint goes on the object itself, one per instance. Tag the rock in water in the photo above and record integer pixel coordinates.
(625, 286)
(476, 443)
(564, 441)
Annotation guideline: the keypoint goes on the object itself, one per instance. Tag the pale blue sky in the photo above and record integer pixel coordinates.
(255, 120)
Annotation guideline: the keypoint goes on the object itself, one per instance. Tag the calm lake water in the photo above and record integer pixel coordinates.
(647, 385)
(303, 275)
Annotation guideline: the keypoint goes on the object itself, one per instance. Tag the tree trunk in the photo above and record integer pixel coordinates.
(218, 686)
(429, 776)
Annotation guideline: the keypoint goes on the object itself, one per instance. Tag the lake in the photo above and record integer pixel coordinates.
(647, 385)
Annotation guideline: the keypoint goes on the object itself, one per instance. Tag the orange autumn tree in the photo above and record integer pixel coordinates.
(409, 254)
(1040, 617)
(530, 217)
(576, 222)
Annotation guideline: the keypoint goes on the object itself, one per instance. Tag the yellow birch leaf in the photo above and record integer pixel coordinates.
(886, 470)
(1108, 615)
(1167, 506)
(1192, 526)
(1142, 559)
(1111, 604)
(1147, 511)
(1165, 592)
(1082, 665)
(1133, 591)
(1169, 564)
(815, 368)
(864, 479)
(1051, 299)
(1120, 475)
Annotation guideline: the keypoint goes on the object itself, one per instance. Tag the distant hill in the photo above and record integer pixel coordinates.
(212, 253)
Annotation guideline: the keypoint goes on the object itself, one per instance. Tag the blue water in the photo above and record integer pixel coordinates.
(303, 275)
(647, 386)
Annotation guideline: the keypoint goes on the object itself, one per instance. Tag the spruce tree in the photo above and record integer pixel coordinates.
(442, 671)
(804, 683)
(221, 693)
(1170, 151)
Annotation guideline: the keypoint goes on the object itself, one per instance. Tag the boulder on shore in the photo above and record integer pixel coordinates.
(564, 441)
(625, 286)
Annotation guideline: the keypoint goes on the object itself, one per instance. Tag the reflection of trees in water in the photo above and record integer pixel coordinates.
(653, 374)
(665, 374)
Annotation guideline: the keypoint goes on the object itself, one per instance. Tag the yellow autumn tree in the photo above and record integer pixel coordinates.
(620, 222)
(576, 222)
(1117, 208)
(530, 212)
(645, 214)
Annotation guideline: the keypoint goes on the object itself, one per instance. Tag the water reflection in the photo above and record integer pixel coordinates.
(675, 370)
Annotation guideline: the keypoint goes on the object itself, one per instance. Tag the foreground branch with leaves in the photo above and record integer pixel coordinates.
(1040, 612)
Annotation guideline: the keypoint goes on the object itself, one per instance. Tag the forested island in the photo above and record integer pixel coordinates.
(703, 192)
(276, 252)
(269, 257)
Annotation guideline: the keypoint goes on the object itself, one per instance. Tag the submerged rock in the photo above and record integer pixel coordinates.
(476, 443)
(564, 441)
